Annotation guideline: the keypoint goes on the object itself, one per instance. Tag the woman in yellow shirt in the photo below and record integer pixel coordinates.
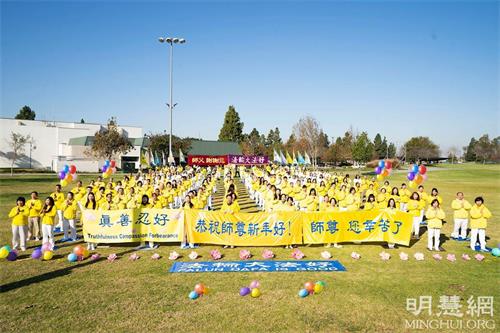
(69, 208)
(352, 200)
(19, 215)
(35, 206)
(435, 216)
(48, 214)
(405, 197)
(415, 206)
(391, 209)
(370, 202)
(461, 209)
(479, 216)
(333, 207)
(90, 203)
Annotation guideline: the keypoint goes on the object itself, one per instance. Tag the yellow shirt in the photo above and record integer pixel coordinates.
(460, 208)
(415, 207)
(233, 208)
(369, 205)
(19, 215)
(58, 199)
(48, 217)
(107, 206)
(69, 210)
(35, 207)
(479, 217)
(435, 217)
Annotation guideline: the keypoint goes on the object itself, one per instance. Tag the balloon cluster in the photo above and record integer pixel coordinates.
(199, 290)
(312, 288)
(67, 174)
(79, 253)
(417, 175)
(383, 169)
(252, 290)
(6, 252)
(45, 252)
(108, 168)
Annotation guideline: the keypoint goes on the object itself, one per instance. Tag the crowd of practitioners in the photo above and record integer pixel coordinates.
(273, 188)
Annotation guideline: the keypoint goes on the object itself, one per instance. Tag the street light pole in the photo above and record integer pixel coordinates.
(171, 105)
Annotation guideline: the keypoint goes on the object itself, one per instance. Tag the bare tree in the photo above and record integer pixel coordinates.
(309, 131)
(17, 143)
(453, 153)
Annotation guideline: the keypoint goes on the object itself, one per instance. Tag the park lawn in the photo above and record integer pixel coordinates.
(138, 295)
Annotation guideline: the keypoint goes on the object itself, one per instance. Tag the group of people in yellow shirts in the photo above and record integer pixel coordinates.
(273, 188)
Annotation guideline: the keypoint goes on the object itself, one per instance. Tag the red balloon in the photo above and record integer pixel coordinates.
(309, 286)
(72, 169)
(113, 163)
(199, 288)
(422, 169)
(388, 164)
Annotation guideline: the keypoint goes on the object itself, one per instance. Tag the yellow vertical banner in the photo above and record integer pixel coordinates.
(244, 229)
(363, 226)
(133, 225)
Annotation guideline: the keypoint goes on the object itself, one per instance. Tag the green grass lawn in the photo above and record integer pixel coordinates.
(126, 296)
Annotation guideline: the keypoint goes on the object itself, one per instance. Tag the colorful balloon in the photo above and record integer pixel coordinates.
(424, 177)
(107, 163)
(380, 177)
(199, 288)
(78, 250)
(321, 283)
(255, 293)
(72, 169)
(244, 291)
(4, 253)
(64, 182)
(193, 295)
(385, 173)
(254, 284)
(105, 175)
(12, 255)
(66, 168)
(72, 257)
(422, 169)
(388, 164)
(495, 252)
(303, 293)
(412, 184)
(378, 170)
(69, 177)
(381, 164)
(410, 176)
(415, 169)
(46, 246)
(113, 164)
(309, 286)
(104, 168)
(47, 255)
(37, 253)
(62, 175)
(418, 179)
(318, 288)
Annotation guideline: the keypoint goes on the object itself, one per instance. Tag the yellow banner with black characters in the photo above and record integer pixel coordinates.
(133, 225)
(362, 226)
(244, 229)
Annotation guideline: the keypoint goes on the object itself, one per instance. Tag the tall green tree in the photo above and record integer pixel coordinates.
(484, 149)
(232, 129)
(273, 139)
(26, 113)
(391, 150)
(470, 151)
(418, 148)
(253, 143)
(362, 149)
(109, 142)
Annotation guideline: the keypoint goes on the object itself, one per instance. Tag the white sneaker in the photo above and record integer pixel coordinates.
(337, 246)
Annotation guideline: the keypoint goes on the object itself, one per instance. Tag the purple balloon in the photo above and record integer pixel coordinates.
(12, 255)
(62, 175)
(411, 176)
(104, 168)
(244, 291)
(37, 254)
(378, 170)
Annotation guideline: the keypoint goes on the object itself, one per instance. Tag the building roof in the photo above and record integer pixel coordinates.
(88, 140)
(200, 147)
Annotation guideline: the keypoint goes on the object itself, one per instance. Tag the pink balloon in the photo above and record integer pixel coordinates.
(424, 176)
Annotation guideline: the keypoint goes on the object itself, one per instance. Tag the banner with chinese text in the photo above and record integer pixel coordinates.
(247, 159)
(133, 225)
(207, 160)
(244, 229)
(363, 226)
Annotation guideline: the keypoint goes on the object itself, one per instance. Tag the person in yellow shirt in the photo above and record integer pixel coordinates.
(108, 204)
(435, 195)
(415, 206)
(435, 216)
(382, 198)
(351, 201)
(391, 208)
(19, 215)
(333, 207)
(461, 208)
(405, 193)
(58, 197)
(48, 214)
(69, 208)
(370, 203)
(395, 195)
(479, 216)
(423, 197)
(229, 205)
(35, 206)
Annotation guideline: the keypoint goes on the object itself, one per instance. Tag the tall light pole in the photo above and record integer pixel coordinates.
(171, 41)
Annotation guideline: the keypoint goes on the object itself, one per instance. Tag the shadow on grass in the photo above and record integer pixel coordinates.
(54, 274)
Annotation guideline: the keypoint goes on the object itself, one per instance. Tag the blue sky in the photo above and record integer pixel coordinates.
(399, 68)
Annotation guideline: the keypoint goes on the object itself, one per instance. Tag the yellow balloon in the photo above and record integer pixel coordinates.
(412, 184)
(47, 255)
(3, 253)
(318, 288)
(255, 292)
(105, 175)
(380, 177)
(206, 291)
(64, 182)
(85, 253)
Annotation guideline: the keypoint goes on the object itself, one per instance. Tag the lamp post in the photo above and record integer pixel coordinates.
(171, 41)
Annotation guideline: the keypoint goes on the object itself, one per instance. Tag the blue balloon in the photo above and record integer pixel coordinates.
(72, 257)
(381, 164)
(496, 252)
(303, 293)
(107, 163)
(415, 169)
(193, 295)
(66, 168)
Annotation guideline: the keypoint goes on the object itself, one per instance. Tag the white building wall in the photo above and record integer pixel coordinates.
(51, 141)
